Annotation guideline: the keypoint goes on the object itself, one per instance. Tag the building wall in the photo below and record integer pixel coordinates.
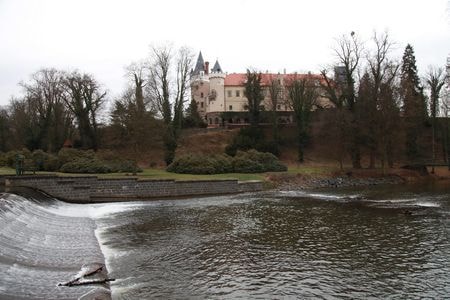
(235, 99)
(217, 104)
(200, 91)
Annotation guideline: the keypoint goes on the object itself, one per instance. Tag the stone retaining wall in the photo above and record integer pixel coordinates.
(90, 189)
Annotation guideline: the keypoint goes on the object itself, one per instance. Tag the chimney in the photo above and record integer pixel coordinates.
(284, 71)
(206, 67)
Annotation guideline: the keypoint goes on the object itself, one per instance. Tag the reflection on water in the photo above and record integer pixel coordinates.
(347, 243)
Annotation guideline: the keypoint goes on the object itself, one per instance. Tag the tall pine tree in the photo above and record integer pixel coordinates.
(414, 105)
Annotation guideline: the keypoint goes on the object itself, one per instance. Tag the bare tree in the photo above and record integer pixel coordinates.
(342, 91)
(169, 92)
(47, 115)
(84, 98)
(445, 105)
(138, 74)
(384, 109)
(349, 52)
(435, 79)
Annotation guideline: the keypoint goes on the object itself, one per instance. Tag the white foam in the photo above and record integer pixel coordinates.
(93, 211)
(427, 204)
(322, 196)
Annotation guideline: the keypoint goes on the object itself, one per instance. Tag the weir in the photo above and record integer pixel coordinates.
(91, 189)
(42, 247)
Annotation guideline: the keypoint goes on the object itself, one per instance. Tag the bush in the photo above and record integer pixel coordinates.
(269, 162)
(127, 166)
(42, 161)
(244, 162)
(66, 155)
(251, 138)
(3, 161)
(192, 164)
(243, 165)
(85, 165)
(52, 163)
(10, 156)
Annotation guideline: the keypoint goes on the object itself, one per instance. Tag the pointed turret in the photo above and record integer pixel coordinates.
(216, 68)
(200, 65)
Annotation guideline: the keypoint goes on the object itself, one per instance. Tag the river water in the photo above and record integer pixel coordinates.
(381, 242)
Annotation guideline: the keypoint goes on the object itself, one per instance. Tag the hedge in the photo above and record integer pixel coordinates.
(250, 161)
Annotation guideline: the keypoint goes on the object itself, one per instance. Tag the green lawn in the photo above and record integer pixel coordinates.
(7, 171)
(162, 174)
(308, 170)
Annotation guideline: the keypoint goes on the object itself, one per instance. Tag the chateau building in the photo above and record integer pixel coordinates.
(220, 96)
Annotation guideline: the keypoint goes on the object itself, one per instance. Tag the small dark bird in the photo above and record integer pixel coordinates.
(352, 33)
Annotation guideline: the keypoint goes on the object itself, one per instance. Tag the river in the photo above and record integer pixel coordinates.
(379, 242)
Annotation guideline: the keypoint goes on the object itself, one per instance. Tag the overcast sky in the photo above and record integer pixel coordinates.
(102, 37)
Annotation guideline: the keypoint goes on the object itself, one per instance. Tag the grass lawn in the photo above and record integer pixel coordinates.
(7, 171)
(162, 174)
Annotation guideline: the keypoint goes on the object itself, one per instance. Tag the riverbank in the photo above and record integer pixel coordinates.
(353, 178)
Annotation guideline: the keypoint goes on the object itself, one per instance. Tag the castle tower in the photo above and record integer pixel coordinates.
(200, 85)
(216, 101)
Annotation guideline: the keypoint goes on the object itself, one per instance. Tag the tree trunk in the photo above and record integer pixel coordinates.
(372, 159)
(355, 154)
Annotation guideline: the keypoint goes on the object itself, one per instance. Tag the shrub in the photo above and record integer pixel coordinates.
(52, 163)
(244, 162)
(117, 166)
(38, 157)
(244, 165)
(85, 165)
(3, 161)
(251, 138)
(66, 155)
(43, 161)
(269, 161)
(222, 163)
(10, 156)
(192, 164)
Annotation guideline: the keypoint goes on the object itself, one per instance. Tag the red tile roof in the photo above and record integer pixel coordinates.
(238, 79)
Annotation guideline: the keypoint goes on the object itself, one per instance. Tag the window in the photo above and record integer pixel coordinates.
(229, 94)
(278, 106)
(230, 107)
(246, 107)
(238, 93)
(201, 95)
(210, 121)
(216, 121)
(201, 104)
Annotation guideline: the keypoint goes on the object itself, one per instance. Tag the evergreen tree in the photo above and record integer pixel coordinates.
(414, 105)
(302, 95)
(254, 94)
(192, 117)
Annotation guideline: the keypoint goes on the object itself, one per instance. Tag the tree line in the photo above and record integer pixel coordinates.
(378, 102)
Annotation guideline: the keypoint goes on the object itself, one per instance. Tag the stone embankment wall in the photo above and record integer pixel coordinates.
(90, 189)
